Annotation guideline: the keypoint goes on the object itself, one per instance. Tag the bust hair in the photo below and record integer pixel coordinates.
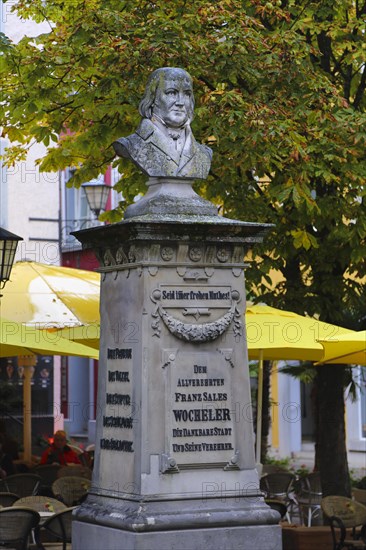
(156, 77)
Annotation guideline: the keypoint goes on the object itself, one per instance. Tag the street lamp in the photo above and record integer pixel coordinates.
(8, 247)
(96, 192)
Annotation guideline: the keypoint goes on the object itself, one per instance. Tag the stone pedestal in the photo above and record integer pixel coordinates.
(174, 462)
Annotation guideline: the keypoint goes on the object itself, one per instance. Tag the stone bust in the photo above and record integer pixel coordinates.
(163, 145)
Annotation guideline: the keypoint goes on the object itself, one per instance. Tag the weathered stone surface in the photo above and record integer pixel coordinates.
(174, 461)
(170, 196)
(174, 442)
(231, 538)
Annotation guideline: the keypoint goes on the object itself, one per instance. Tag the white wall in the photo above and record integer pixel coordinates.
(26, 193)
(355, 441)
(289, 415)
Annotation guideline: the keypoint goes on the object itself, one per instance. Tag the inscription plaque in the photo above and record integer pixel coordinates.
(199, 422)
(196, 300)
(118, 416)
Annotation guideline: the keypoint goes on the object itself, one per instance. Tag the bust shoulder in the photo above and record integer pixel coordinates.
(125, 146)
(206, 150)
(145, 129)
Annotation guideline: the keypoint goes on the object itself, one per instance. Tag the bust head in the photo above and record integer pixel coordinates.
(169, 95)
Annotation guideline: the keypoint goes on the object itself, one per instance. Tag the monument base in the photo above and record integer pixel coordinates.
(95, 537)
(231, 523)
(174, 462)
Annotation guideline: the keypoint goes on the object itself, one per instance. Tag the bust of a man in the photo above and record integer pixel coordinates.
(163, 145)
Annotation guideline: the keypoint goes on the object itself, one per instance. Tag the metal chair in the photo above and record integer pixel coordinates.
(23, 485)
(8, 499)
(89, 454)
(309, 496)
(277, 505)
(278, 486)
(16, 524)
(59, 525)
(344, 513)
(273, 469)
(359, 495)
(75, 470)
(45, 506)
(71, 490)
(48, 474)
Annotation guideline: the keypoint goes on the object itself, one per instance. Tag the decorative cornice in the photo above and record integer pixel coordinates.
(191, 260)
(169, 231)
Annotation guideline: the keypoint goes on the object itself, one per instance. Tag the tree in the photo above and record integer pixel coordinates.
(335, 36)
(280, 98)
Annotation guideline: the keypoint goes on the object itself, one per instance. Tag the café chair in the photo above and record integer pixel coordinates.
(48, 474)
(59, 526)
(279, 486)
(277, 505)
(347, 520)
(81, 454)
(16, 525)
(8, 499)
(23, 485)
(89, 454)
(75, 470)
(273, 469)
(309, 495)
(71, 490)
(45, 506)
(359, 495)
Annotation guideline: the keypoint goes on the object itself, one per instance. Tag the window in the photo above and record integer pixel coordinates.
(76, 213)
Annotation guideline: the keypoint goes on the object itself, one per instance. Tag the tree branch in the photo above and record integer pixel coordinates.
(59, 106)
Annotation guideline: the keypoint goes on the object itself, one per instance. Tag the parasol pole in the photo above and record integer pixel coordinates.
(27, 414)
(27, 362)
(259, 408)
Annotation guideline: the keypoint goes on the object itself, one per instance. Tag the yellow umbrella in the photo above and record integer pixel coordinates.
(21, 340)
(41, 295)
(347, 348)
(51, 296)
(275, 334)
(85, 334)
(283, 335)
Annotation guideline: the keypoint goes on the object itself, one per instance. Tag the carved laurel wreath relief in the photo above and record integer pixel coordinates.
(196, 332)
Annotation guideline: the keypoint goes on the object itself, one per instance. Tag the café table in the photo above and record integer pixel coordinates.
(46, 507)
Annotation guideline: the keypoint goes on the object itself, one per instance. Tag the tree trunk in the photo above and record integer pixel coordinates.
(331, 437)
